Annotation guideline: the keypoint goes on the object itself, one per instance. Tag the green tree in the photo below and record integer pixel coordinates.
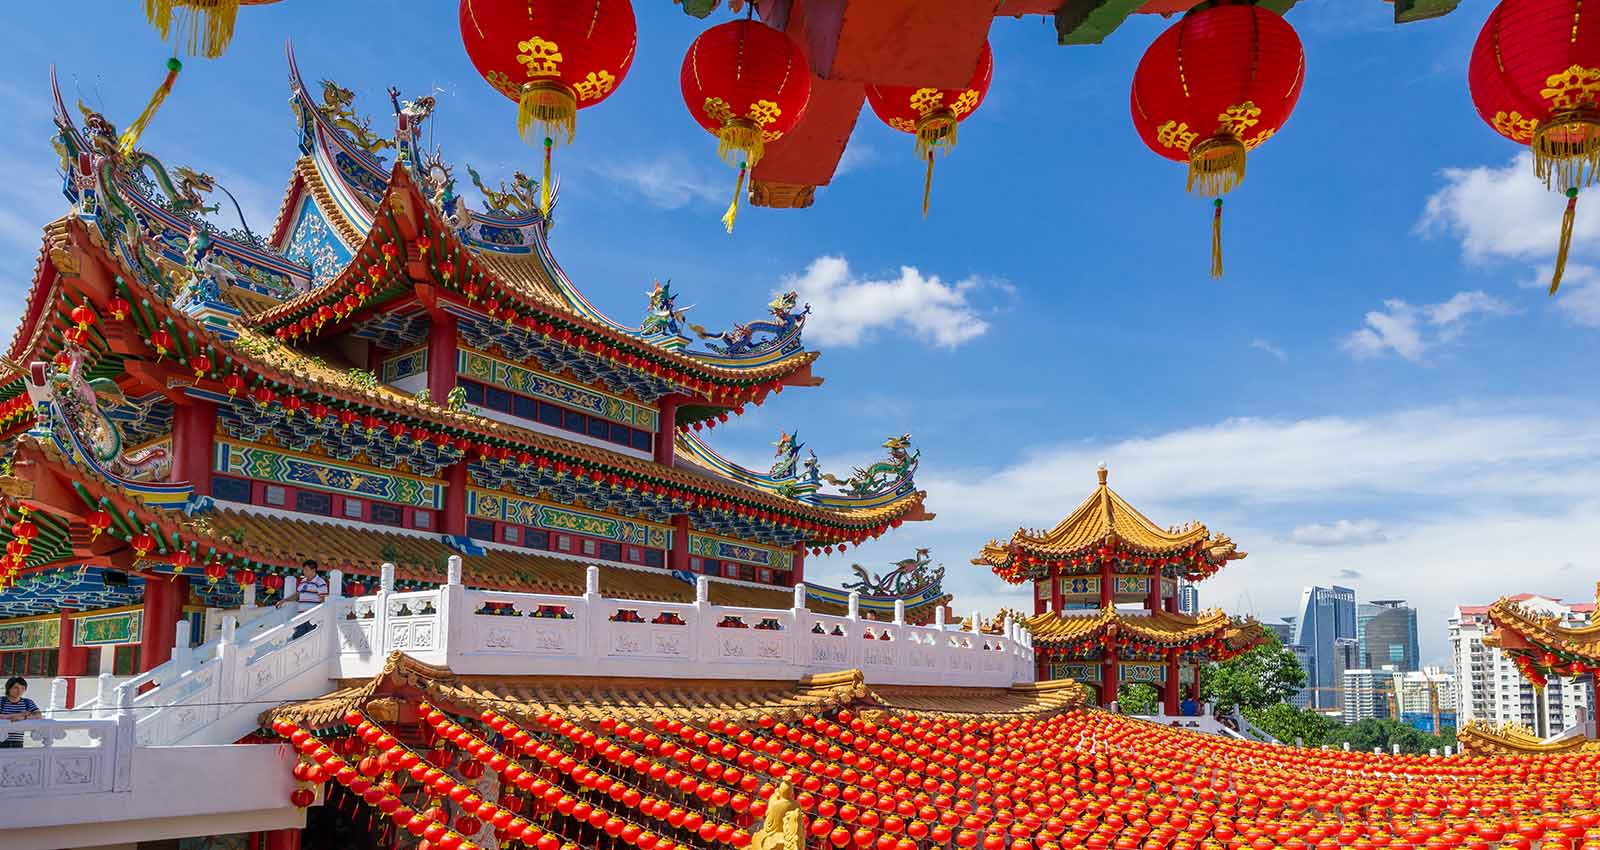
(1137, 698)
(1258, 679)
(1384, 734)
(1288, 724)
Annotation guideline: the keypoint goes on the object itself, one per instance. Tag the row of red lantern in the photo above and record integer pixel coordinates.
(385, 799)
(13, 411)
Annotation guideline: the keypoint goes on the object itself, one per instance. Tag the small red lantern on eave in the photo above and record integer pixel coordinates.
(932, 114)
(553, 57)
(1211, 88)
(1535, 78)
(747, 84)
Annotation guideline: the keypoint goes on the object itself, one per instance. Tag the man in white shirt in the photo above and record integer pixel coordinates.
(310, 590)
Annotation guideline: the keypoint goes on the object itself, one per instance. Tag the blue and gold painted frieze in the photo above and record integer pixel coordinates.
(517, 379)
(745, 553)
(31, 634)
(400, 366)
(264, 464)
(484, 504)
(108, 629)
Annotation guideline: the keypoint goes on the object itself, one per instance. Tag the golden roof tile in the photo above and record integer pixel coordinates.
(586, 698)
(1158, 627)
(1478, 738)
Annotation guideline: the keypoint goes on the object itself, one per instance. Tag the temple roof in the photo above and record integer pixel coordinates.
(590, 699)
(1548, 642)
(1477, 738)
(1158, 629)
(1105, 520)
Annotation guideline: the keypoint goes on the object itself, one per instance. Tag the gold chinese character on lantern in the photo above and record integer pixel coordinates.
(763, 112)
(543, 58)
(1573, 88)
(597, 84)
(1239, 118)
(926, 100)
(1174, 134)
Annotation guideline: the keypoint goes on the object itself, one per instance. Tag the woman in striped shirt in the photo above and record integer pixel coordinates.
(14, 706)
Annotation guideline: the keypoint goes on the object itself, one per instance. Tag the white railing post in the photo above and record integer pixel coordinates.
(899, 612)
(335, 585)
(58, 696)
(854, 611)
(182, 653)
(386, 578)
(104, 700)
(938, 618)
(800, 597)
(453, 613)
(977, 626)
(591, 583)
(126, 738)
(249, 596)
(380, 612)
(291, 590)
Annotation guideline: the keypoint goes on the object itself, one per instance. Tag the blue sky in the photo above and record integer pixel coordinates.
(1379, 393)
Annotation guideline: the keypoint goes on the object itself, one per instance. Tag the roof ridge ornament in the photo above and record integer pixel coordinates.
(1102, 472)
(782, 330)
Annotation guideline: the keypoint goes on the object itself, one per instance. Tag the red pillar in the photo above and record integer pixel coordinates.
(1172, 604)
(282, 839)
(455, 500)
(194, 424)
(163, 605)
(1152, 601)
(1107, 598)
(441, 356)
(1169, 693)
(1194, 687)
(1108, 678)
(799, 573)
(71, 661)
(1056, 602)
(678, 559)
(666, 429)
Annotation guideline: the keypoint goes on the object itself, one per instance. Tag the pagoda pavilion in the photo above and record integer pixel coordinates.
(1104, 554)
(387, 374)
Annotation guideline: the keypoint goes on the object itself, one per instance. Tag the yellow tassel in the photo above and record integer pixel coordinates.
(1566, 150)
(927, 184)
(1216, 165)
(1567, 220)
(130, 136)
(740, 140)
(209, 22)
(733, 208)
(1216, 241)
(544, 186)
(551, 105)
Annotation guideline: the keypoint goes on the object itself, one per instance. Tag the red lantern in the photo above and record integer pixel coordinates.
(83, 316)
(932, 114)
(118, 308)
(142, 543)
(201, 365)
(233, 383)
(747, 84)
(1212, 87)
(1535, 77)
(553, 57)
(161, 341)
(98, 522)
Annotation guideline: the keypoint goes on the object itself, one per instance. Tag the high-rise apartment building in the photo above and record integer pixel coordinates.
(1489, 688)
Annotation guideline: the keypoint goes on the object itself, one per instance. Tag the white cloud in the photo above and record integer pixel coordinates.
(1342, 532)
(1579, 298)
(1470, 504)
(848, 308)
(667, 181)
(857, 155)
(1275, 351)
(1503, 212)
(1410, 331)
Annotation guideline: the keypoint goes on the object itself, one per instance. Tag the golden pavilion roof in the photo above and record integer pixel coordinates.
(1156, 628)
(590, 698)
(1105, 518)
(1523, 630)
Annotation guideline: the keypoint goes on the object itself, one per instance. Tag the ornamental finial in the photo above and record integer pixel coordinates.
(1103, 472)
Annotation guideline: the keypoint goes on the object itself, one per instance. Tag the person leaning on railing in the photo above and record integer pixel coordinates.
(14, 706)
(309, 591)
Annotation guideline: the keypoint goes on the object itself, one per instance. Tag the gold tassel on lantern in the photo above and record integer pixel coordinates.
(1216, 165)
(130, 136)
(550, 104)
(1566, 150)
(733, 208)
(935, 130)
(927, 184)
(1567, 220)
(1216, 240)
(209, 22)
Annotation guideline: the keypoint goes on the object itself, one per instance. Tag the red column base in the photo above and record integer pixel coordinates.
(281, 839)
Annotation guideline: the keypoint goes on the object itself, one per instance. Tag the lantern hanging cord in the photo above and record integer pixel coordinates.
(544, 185)
(733, 208)
(1568, 219)
(927, 184)
(130, 136)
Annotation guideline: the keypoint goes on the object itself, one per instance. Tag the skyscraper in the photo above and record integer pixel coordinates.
(1386, 630)
(1188, 598)
(1327, 615)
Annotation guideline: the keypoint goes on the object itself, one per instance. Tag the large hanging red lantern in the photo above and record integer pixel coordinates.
(1217, 83)
(747, 84)
(553, 57)
(1535, 78)
(932, 114)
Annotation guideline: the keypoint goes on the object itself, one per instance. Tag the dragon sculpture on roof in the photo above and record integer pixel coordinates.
(664, 316)
(338, 108)
(520, 199)
(875, 479)
(761, 335)
(909, 576)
